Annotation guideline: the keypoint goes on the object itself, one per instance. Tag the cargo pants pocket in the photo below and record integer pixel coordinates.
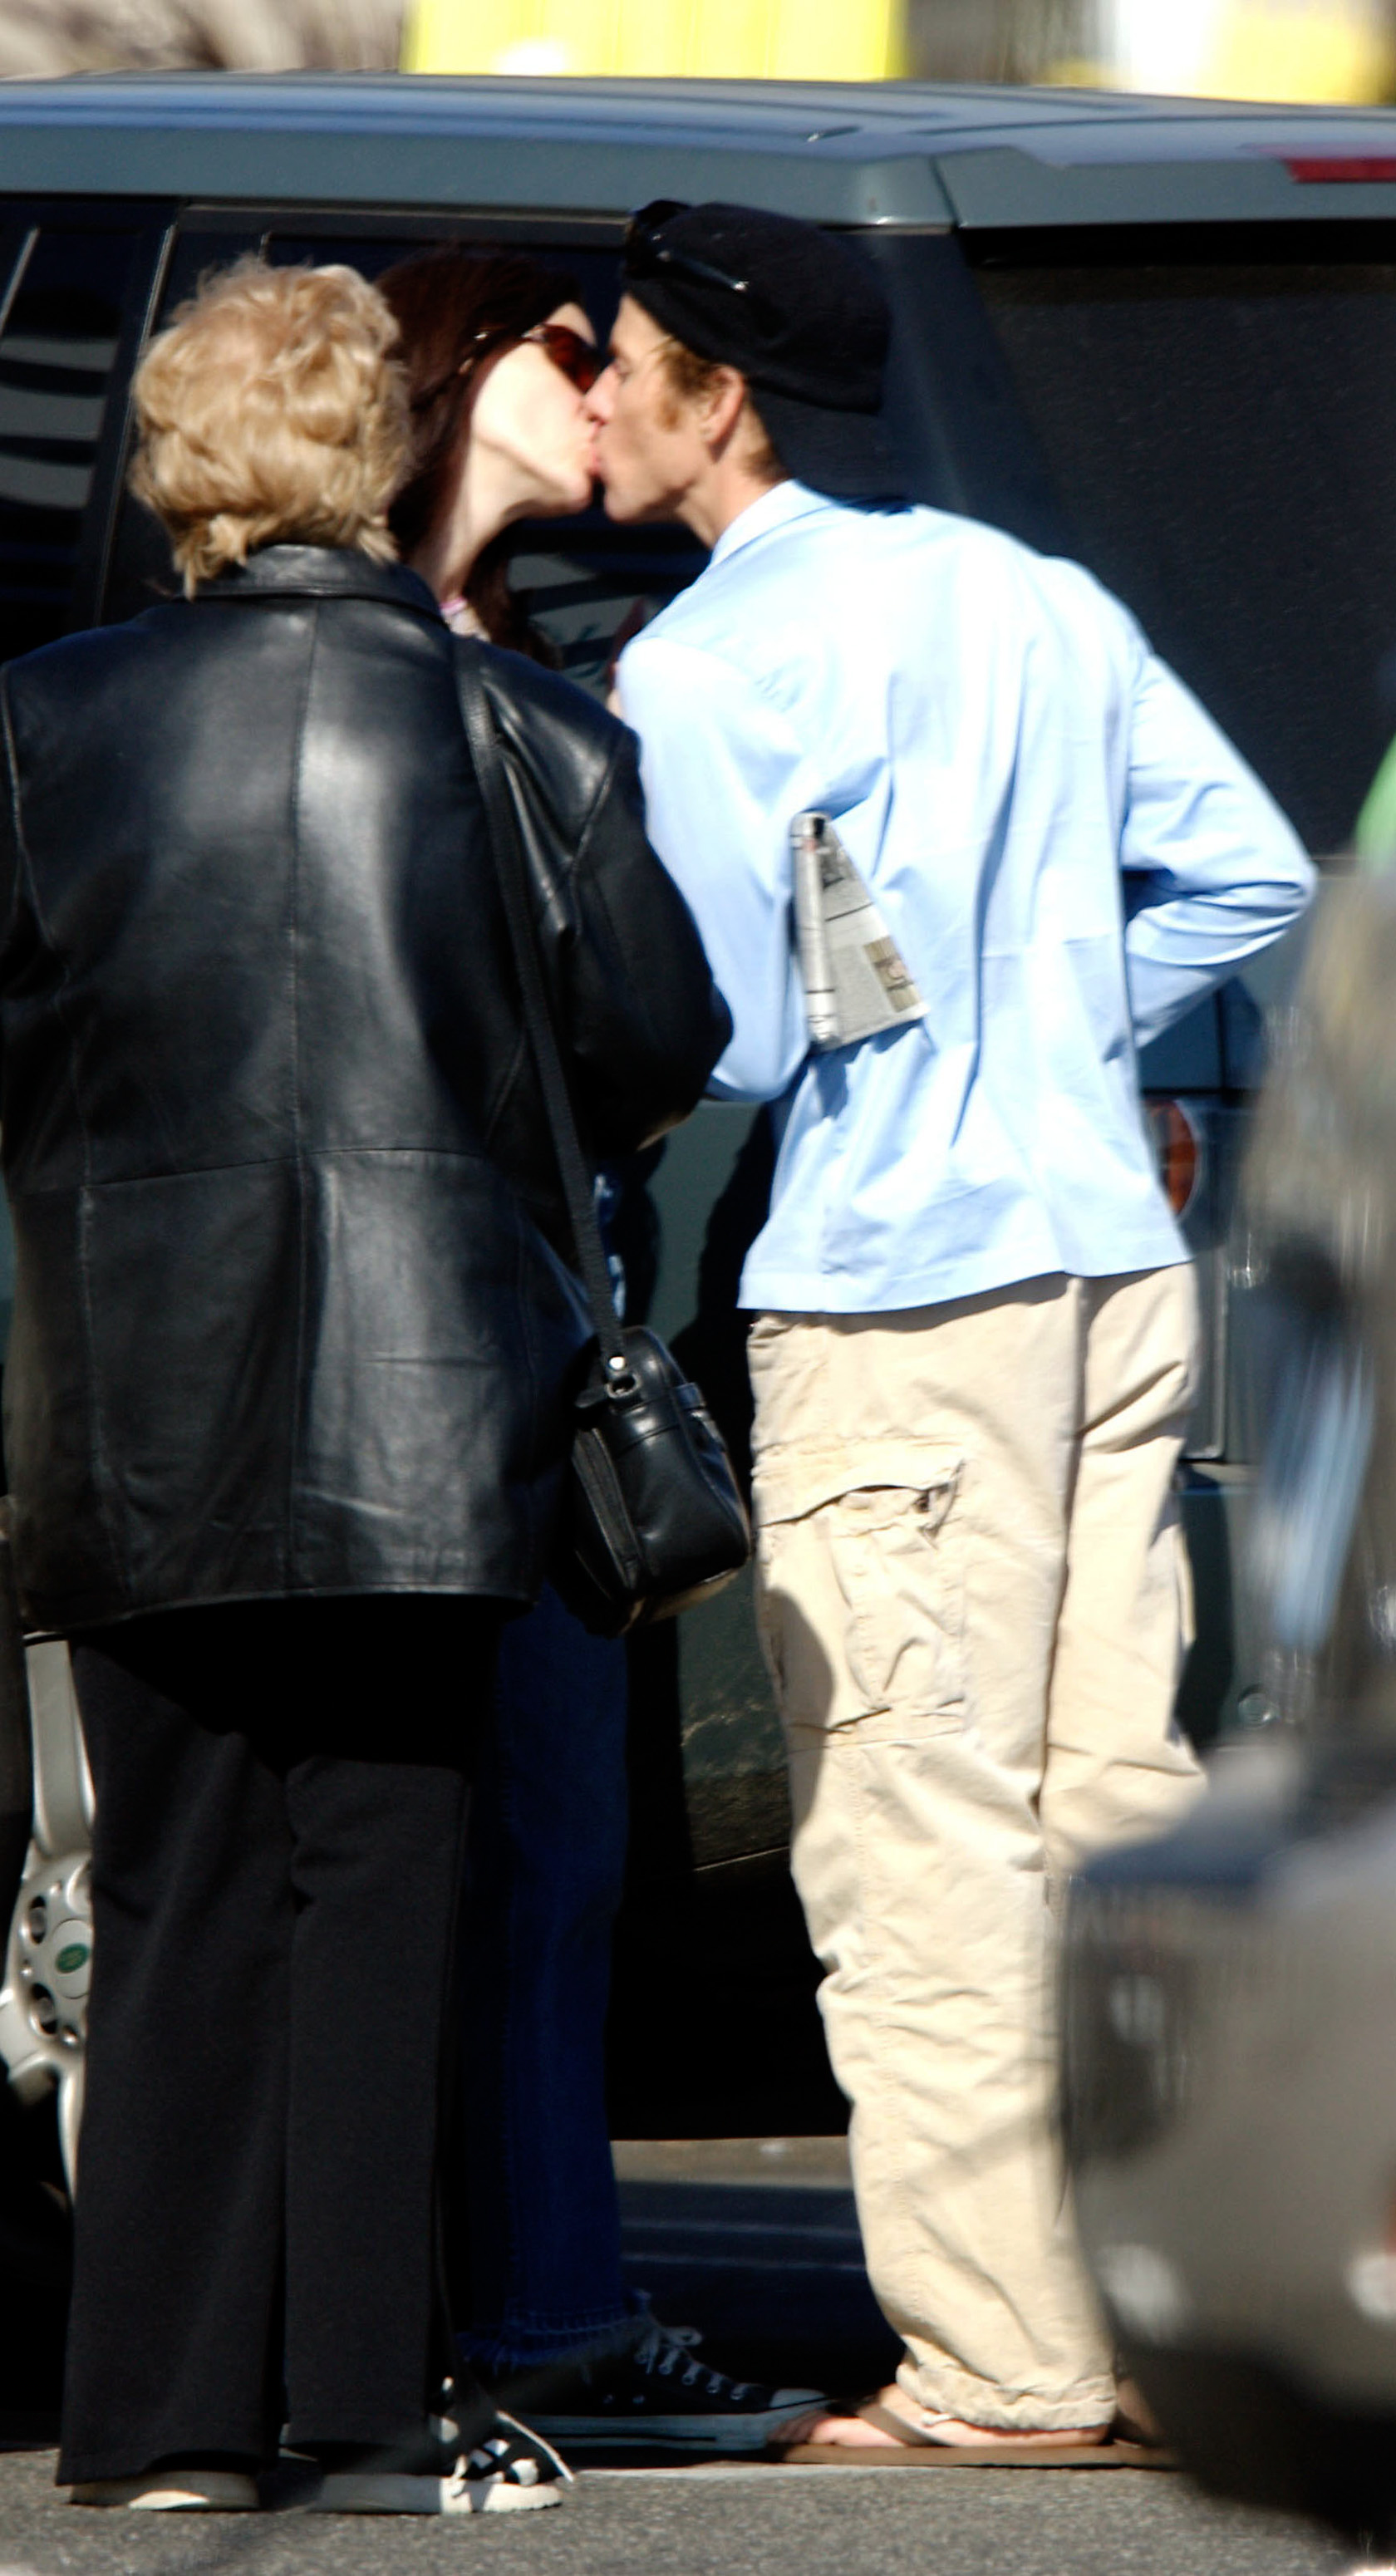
(860, 1602)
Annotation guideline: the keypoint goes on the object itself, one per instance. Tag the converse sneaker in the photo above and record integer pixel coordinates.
(510, 2470)
(650, 2392)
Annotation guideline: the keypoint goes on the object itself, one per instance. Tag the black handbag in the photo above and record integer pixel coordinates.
(653, 1518)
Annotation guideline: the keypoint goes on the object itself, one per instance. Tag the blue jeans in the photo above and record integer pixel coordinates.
(544, 1872)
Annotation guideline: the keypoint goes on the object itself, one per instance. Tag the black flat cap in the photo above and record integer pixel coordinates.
(801, 315)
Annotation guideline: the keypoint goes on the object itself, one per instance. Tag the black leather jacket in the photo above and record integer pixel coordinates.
(290, 1316)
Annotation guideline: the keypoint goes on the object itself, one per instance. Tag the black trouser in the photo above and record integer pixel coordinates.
(281, 1793)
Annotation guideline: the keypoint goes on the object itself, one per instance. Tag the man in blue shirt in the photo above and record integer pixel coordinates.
(974, 1345)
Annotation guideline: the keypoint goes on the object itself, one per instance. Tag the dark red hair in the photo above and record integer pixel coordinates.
(457, 310)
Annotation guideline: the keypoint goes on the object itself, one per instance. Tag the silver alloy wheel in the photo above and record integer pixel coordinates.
(48, 1958)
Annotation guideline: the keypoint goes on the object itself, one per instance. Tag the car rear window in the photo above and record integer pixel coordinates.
(1218, 417)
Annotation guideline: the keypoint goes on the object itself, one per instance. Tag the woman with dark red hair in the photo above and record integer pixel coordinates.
(499, 352)
(499, 356)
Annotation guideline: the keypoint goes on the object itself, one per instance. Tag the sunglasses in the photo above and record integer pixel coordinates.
(579, 360)
(645, 253)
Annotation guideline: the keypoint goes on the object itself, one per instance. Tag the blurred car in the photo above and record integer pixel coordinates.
(1229, 2006)
(1160, 337)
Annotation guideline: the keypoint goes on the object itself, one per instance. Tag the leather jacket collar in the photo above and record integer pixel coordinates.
(318, 572)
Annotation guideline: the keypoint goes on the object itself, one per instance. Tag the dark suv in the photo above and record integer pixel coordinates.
(1157, 337)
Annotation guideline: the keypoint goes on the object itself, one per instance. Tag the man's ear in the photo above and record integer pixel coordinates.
(722, 406)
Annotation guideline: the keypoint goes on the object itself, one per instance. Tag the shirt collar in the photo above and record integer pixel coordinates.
(783, 503)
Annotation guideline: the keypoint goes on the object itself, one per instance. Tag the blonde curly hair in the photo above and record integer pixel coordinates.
(270, 412)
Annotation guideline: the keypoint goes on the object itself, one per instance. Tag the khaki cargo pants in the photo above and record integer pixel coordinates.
(974, 1598)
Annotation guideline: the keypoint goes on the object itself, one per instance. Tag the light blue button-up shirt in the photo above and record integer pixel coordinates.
(1065, 849)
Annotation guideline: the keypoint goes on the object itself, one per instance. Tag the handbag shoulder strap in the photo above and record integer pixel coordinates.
(502, 823)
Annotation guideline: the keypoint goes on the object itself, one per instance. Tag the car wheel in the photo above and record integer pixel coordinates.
(48, 1957)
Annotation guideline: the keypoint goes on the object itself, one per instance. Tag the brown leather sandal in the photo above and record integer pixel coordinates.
(912, 2448)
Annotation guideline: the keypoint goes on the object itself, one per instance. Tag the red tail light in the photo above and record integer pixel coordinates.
(1178, 1145)
(1330, 169)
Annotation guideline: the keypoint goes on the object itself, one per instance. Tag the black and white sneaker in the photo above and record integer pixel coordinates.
(650, 2392)
(509, 2470)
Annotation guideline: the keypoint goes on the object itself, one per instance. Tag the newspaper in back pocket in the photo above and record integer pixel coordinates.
(856, 979)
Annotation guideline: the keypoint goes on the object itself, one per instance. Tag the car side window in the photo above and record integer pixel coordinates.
(59, 332)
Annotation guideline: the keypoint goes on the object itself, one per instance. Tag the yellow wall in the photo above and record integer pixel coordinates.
(733, 39)
(1309, 49)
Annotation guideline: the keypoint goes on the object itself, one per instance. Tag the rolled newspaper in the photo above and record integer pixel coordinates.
(856, 980)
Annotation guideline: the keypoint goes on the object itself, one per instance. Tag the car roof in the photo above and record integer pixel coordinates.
(894, 153)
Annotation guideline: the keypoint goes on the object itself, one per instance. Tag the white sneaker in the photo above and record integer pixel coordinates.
(509, 2471)
(173, 2491)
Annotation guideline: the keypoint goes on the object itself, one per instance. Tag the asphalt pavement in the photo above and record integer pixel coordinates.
(711, 2521)
(755, 2241)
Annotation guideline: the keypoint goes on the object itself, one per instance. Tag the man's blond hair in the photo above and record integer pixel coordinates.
(270, 412)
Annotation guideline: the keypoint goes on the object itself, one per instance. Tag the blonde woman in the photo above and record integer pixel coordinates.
(285, 1401)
